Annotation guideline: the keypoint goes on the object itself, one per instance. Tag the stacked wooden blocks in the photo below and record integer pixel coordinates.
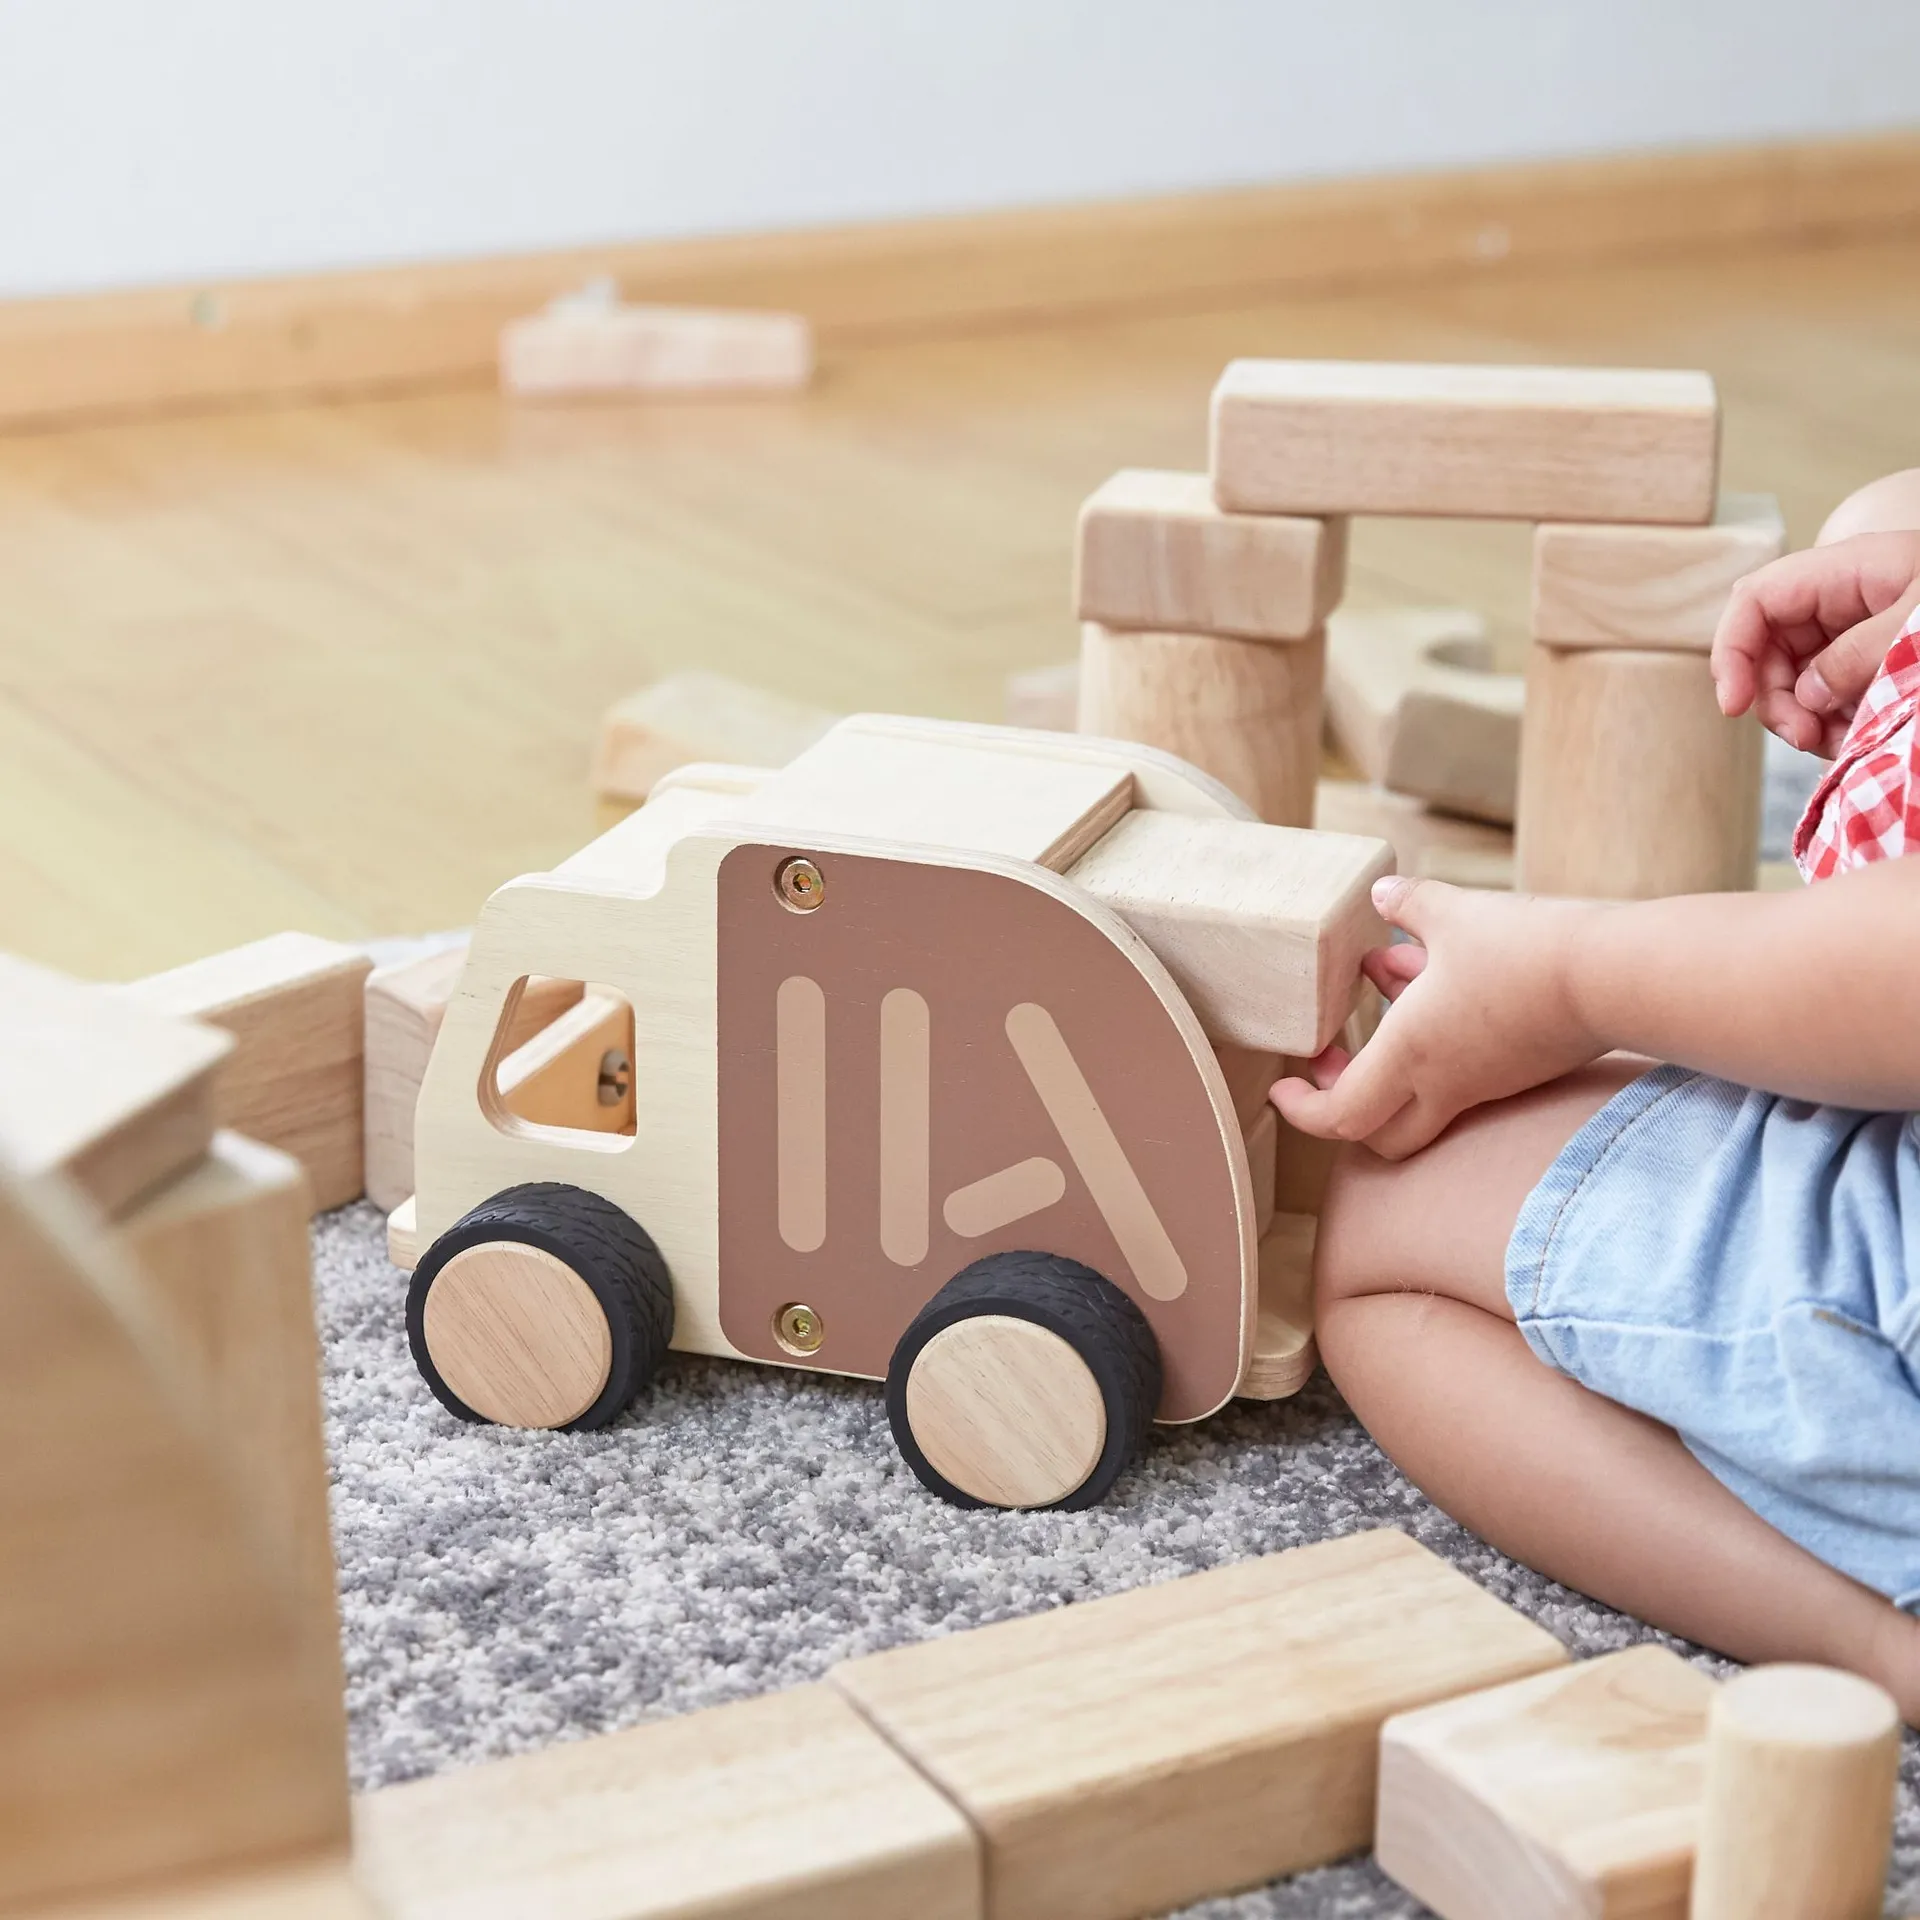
(1207, 603)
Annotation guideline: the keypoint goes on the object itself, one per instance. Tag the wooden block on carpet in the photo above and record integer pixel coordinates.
(787, 1807)
(1154, 551)
(1635, 586)
(1128, 1755)
(1284, 1355)
(1412, 700)
(690, 717)
(113, 1096)
(1570, 1796)
(294, 1004)
(579, 347)
(1512, 443)
(1261, 927)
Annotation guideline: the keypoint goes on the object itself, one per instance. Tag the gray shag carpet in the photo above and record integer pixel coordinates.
(745, 1528)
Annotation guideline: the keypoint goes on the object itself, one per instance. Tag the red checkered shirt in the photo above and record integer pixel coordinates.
(1868, 806)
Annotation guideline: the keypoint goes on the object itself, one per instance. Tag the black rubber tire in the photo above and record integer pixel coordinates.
(1106, 1329)
(611, 1253)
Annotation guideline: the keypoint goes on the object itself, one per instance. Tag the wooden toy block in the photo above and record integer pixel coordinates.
(1412, 699)
(1515, 443)
(577, 1071)
(1155, 552)
(1284, 1355)
(1426, 844)
(224, 1249)
(1246, 712)
(695, 717)
(1638, 586)
(578, 348)
(294, 1005)
(1632, 783)
(113, 1096)
(1047, 698)
(1037, 806)
(166, 1712)
(1574, 1795)
(304, 1891)
(1125, 1756)
(787, 1807)
(1262, 928)
(1797, 1818)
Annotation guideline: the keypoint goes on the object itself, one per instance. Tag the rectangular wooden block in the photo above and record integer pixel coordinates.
(224, 1247)
(1516, 443)
(306, 1890)
(1574, 1795)
(116, 1097)
(690, 717)
(1125, 1756)
(295, 1007)
(1261, 927)
(944, 792)
(640, 349)
(788, 1807)
(401, 1016)
(1284, 1355)
(1154, 551)
(1630, 586)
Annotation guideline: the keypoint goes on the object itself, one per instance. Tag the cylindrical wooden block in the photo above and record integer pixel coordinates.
(1246, 711)
(1797, 1818)
(1632, 783)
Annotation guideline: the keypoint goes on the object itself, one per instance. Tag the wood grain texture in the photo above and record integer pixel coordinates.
(1500, 442)
(323, 1889)
(1128, 1755)
(1262, 927)
(691, 717)
(166, 1714)
(1796, 1822)
(1574, 1795)
(401, 1016)
(1006, 1411)
(788, 1807)
(1412, 699)
(1244, 711)
(114, 1097)
(325, 332)
(1154, 551)
(577, 349)
(295, 1005)
(518, 1335)
(1632, 783)
(223, 1249)
(1625, 586)
(1284, 1354)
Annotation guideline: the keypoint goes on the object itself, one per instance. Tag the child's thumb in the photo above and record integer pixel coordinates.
(1834, 679)
(1407, 903)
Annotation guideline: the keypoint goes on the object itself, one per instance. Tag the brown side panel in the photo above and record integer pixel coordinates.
(1088, 1094)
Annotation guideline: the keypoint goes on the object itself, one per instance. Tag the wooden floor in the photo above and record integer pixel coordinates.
(338, 667)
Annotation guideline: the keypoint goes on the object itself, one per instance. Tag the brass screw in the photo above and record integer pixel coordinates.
(798, 1328)
(616, 1076)
(799, 885)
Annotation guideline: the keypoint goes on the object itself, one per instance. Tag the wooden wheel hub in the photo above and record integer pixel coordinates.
(1006, 1411)
(518, 1335)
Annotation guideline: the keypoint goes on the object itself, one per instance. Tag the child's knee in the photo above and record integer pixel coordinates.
(1890, 504)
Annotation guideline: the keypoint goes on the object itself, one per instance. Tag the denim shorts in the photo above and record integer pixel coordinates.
(1741, 1267)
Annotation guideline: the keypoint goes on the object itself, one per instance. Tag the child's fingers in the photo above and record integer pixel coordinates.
(1393, 969)
(1834, 679)
(1367, 1094)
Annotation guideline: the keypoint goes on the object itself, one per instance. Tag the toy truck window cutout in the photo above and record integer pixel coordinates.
(898, 1063)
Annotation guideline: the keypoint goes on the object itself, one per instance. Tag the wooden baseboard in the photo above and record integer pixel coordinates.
(405, 326)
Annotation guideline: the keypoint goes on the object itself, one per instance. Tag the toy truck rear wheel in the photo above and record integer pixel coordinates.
(546, 1306)
(1028, 1380)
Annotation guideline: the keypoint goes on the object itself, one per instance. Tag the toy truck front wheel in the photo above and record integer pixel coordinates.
(546, 1306)
(1028, 1380)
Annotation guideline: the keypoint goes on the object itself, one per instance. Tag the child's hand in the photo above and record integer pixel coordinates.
(1802, 637)
(1481, 1010)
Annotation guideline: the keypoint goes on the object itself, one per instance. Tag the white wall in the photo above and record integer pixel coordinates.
(162, 140)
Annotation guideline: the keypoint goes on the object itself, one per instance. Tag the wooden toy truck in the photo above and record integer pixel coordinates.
(922, 1086)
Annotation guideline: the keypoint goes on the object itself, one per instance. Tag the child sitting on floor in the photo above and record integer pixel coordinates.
(1717, 1259)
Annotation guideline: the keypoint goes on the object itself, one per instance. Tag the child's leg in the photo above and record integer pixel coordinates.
(1414, 1326)
(1890, 504)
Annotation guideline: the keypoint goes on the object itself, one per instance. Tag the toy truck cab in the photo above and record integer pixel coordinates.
(906, 1096)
